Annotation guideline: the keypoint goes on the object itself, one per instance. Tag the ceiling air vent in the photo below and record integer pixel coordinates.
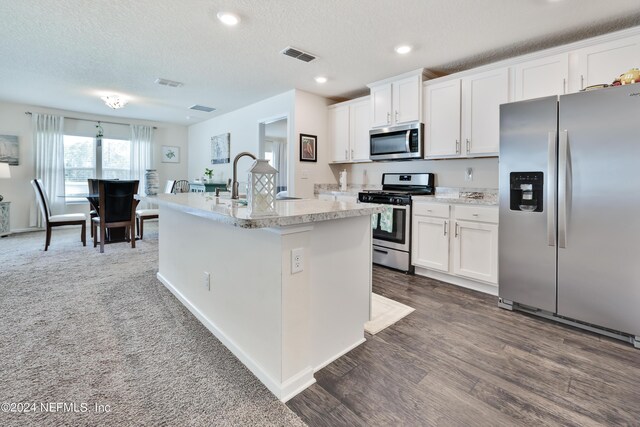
(170, 83)
(298, 54)
(202, 108)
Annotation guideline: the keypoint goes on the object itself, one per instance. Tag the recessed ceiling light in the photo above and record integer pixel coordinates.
(403, 49)
(321, 79)
(228, 18)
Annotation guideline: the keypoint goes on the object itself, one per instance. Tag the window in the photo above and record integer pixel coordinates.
(84, 158)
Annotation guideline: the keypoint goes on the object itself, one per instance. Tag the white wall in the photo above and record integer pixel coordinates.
(18, 190)
(449, 173)
(242, 124)
(306, 113)
(311, 117)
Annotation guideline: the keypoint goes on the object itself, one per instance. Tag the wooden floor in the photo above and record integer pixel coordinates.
(459, 360)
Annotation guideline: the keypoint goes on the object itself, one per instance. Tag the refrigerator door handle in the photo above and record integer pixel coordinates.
(551, 188)
(563, 169)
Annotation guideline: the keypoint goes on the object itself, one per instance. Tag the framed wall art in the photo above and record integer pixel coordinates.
(220, 148)
(170, 154)
(9, 150)
(308, 148)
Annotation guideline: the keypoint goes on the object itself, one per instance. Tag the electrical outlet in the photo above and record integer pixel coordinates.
(297, 260)
(206, 280)
(468, 174)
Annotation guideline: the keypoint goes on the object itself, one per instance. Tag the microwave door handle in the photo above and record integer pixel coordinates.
(406, 141)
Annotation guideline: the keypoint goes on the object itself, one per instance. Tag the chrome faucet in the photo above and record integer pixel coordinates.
(234, 183)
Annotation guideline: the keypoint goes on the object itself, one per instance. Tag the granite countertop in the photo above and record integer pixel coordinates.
(456, 201)
(290, 212)
(449, 195)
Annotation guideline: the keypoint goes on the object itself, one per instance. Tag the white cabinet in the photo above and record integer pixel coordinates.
(397, 102)
(604, 62)
(482, 95)
(541, 77)
(460, 240)
(359, 125)
(463, 115)
(442, 136)
(349, 131)
(430, 235)
(475, 243)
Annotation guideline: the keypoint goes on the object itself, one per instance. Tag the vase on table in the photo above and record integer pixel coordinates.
(152, 182)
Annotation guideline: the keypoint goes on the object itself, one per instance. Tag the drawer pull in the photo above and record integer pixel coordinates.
(381, 251)
(475, 214)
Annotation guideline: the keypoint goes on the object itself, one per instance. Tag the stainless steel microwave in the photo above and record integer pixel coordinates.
(397, 143)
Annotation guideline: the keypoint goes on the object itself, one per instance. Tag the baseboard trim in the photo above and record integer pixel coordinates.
(340, 354)
(296, 384)
(458, 281)
(283, 391)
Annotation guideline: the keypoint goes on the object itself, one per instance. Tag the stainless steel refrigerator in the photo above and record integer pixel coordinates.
(569, 243)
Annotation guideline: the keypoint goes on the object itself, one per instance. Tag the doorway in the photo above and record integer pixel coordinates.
(273, 146)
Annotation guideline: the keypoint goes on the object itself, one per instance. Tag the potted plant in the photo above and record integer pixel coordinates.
(209, 174)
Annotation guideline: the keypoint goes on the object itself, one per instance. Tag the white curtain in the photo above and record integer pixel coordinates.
(48, 136)
(280, 163)
(141, 153)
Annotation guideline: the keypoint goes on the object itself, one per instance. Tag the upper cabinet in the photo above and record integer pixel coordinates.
(462, 115)
(482, 95)
(397, 102)
(349, 125)
(442, 134)
(604, 62)
(541, 77)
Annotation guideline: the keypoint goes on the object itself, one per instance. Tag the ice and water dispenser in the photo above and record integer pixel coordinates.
(526, 191)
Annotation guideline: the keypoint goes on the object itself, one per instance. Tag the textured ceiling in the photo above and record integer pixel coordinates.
(66, 53)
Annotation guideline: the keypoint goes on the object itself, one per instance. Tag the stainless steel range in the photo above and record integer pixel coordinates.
(392, 228)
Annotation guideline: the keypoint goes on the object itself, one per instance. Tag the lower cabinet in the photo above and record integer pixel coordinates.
(459, 240)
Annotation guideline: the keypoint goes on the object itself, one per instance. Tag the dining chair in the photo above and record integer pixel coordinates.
(92, 185)
(144, 214)
(57, 220)
(182, 186)
(117, 210)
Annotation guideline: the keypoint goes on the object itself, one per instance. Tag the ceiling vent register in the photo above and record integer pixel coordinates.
(298, 54)
(167, 82)
(202, 108)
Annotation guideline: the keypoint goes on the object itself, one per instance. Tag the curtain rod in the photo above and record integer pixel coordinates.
(93, 121)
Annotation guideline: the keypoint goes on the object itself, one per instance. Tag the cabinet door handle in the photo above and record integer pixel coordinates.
(581, 81)
(468, 142)
(346, 155)
(396, 116)
(456, 230)
(388, 117)
(457, 147)
(352, 154)
(474, 214)
(564, 85)
(444, 228)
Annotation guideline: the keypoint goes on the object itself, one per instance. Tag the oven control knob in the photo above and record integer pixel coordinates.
(397, 201)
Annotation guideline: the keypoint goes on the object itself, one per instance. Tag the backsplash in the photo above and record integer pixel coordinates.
(487, 195)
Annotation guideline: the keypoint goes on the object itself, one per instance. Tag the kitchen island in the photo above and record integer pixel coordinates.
(236, 275)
